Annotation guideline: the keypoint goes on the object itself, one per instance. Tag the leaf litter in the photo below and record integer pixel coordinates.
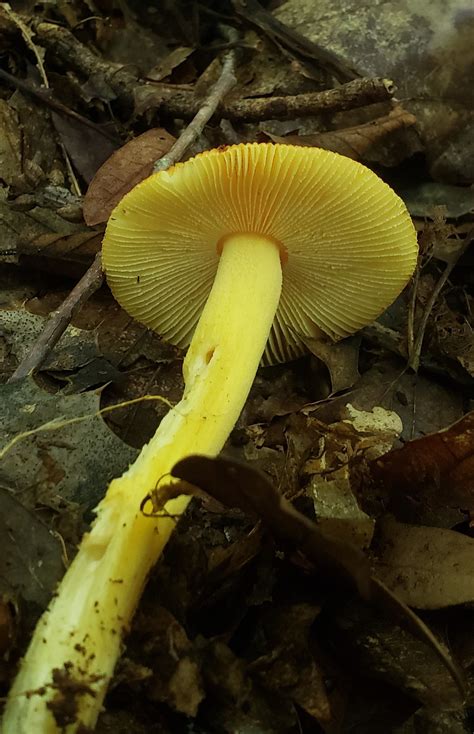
(326, 583)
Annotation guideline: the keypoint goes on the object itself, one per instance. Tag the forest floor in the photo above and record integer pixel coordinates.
(243, 628)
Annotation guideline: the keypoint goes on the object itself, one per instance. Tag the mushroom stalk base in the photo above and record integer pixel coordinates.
(73, 652)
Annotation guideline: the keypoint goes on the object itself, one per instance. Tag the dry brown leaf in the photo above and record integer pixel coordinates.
(429, 568)
(42, 238)
(168, 653)
(454, 336)
(378, 649)
(352, 142)
(337, 510)
(235, 701)
(122, 171)
(32, 562)
(432, 469)
(341, 359)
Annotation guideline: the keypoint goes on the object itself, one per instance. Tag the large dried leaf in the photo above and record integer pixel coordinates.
(428, 471)
(73, 461)
(378, 649)
(453, 336)
(20, 330)
(423, 197)
(28, 150)
(423, 405)
(236, 702)
(41, 232)
(175, 675)
(10, 144)
(286, 664)
(429, 568)
(122, 171)
(337, 510)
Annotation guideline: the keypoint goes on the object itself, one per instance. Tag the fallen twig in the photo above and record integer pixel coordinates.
(185, 104)
(191, 133)
(357, 93)
(59, 320)
(65, 46)
(415, 348)
(25, 32)
(46, 97)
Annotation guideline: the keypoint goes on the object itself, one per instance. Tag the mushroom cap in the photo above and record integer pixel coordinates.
(348, 245)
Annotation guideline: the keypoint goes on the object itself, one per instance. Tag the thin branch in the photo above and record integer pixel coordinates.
(47, 98)
(190, 134)
(78, 56)
(59, 321)
(70, 170)
(357, 93)
(415, 351)
(28, 39)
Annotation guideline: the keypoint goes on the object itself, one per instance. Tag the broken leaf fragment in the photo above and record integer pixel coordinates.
(337, 511)
(378, 649)
(341, 359)
(360, 436)
(286, 664)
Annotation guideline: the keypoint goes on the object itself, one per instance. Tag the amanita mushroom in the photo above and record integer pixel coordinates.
(236, 252)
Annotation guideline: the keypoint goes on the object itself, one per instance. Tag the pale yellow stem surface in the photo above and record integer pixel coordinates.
(80, 635)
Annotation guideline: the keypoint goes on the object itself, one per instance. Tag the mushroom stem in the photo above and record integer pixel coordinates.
(77, 641)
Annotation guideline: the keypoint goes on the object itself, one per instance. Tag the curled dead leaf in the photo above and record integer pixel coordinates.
(341, 359)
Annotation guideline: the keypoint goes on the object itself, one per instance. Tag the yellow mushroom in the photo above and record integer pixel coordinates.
(236, 253)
